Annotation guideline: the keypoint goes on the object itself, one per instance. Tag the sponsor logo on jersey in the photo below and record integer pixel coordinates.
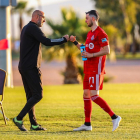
(91, 45)
(92, 37)
(104, 40)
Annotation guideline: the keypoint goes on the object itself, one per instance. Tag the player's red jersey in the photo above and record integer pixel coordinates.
(95, 41)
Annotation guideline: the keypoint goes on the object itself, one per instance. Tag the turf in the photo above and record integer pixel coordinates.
(61, 110)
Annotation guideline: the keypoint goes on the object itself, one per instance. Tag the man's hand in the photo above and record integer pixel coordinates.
(67, 37)
(72, 38)
(87, 55)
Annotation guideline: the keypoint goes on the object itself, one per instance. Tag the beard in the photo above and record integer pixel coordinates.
(39, 23)
(90, 24)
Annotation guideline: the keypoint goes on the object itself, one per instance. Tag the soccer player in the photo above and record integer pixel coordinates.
(97, 47)
(29, 66)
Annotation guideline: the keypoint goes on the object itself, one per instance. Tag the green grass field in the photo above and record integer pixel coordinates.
(128, 56)
(61, 110)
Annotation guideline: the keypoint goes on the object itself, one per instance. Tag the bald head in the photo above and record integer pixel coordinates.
(38, 17)
(36, 12)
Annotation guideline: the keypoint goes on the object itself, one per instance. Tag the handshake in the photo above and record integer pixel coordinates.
(71, 38)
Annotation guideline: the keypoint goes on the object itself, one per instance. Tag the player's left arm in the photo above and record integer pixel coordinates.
(104, 51)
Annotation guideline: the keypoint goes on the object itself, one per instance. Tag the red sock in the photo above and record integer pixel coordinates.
(103, 104)
(87, 109)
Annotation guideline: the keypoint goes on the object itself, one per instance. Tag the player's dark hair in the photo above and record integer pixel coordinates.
(93, 13)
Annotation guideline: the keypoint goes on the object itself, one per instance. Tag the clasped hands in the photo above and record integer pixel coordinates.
(72, 39)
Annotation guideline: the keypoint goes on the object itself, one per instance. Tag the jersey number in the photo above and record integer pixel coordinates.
(91, 80)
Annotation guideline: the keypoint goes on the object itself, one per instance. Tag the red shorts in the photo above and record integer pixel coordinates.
(93, 81)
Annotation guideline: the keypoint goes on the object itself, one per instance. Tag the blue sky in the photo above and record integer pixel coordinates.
(44, 2)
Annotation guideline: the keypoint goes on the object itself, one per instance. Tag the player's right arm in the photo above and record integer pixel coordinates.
(73, 39)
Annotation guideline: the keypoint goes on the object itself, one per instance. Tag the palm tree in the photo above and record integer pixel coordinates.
(20, 9)
(72, 25)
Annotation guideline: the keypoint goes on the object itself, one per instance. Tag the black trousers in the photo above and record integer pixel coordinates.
(32, 81)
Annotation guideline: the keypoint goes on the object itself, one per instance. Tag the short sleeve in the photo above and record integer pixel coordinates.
(103, 39)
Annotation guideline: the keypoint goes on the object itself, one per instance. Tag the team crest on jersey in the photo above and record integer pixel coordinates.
(92, 37)
(91, 45)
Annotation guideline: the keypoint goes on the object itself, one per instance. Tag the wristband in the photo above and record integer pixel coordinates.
(75, 42)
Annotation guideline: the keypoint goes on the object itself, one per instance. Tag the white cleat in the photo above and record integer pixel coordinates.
(116, 123)
(83, 128)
